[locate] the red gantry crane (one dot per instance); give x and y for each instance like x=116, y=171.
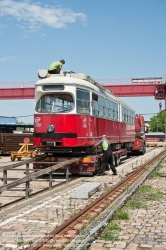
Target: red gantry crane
x=136, y=87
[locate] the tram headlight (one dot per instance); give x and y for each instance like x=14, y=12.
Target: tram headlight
x=50, y=128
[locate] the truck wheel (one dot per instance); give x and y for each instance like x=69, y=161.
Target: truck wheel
x=98, y=166
x=117, y=160
x=113, y=160
x=143, y=150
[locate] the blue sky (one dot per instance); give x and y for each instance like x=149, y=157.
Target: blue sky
x=105, y=38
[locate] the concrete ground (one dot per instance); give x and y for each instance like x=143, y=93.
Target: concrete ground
x=146, y=228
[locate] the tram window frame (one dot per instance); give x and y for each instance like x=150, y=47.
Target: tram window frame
x=126, y=119
x=82, y=105
x=127, y=116
x=95, y=105
x=124, y=114
x=106, y=109
x=115, y=111
x=52, y=87
x=47, y=103
x=101, y=106
x=111, y=111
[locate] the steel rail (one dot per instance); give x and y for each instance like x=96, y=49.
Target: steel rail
x=60, y=231
x=32, y=176
x=17, y=164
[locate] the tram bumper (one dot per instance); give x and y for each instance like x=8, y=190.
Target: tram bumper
x=49, y=140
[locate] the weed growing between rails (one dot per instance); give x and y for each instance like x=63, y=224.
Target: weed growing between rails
x=121, y=214
x=137, y=201
x=110, y=232
x=157, y=172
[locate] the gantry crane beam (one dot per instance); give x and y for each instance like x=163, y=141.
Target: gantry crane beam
x=136, y=88
x=17, y=93
x=128, y=90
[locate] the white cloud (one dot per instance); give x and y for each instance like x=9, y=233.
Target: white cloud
x=35, y=15
x=4, y=59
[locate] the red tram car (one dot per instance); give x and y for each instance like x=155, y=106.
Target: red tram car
x=72, y=112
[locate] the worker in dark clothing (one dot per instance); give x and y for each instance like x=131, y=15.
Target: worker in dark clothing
x=56, y=67
x=107, y=155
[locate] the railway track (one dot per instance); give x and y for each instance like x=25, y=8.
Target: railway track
x=32, y=218
x=75, y=232
x=15, y=175
x=12, y=183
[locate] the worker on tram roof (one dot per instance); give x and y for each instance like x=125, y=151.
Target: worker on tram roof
x=56, y=67
x=107, y=155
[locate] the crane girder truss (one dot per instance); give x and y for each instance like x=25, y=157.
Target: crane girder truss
x=135, y=88
x=158, y=90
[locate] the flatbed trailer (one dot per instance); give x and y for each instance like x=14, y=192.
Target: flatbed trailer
x=90, y=164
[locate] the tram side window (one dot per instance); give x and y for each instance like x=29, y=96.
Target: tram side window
x=95, y=104
x=124, y=114
x=130, y=117
x=115, y=111
x=101, y=106
x=127, y=116
x=111, y=111
x=106, y=109
x=83, y=101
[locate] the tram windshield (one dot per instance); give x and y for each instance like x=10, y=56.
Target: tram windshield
x=55, y=103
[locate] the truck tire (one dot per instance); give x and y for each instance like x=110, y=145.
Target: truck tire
x=113, y=159
x=142, y=152
x=98, y=166
x=117, y=160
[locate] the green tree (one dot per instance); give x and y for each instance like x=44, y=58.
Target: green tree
x=157, y=122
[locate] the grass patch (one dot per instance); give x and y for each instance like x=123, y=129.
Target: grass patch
x=155, y=173
x=113, y=226
x=144, y=189
x=155, y=195
x=147, y=192
x=110, y=232
x=120, y=214
x=159, y=166
x=135, y=202
x=109, y=236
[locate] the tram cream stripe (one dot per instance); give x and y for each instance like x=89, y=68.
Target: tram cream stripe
x=28, y=211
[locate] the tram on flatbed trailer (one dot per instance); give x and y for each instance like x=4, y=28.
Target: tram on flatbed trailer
x=72, y=112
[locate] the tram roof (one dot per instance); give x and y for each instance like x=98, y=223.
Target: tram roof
x=82, y=79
